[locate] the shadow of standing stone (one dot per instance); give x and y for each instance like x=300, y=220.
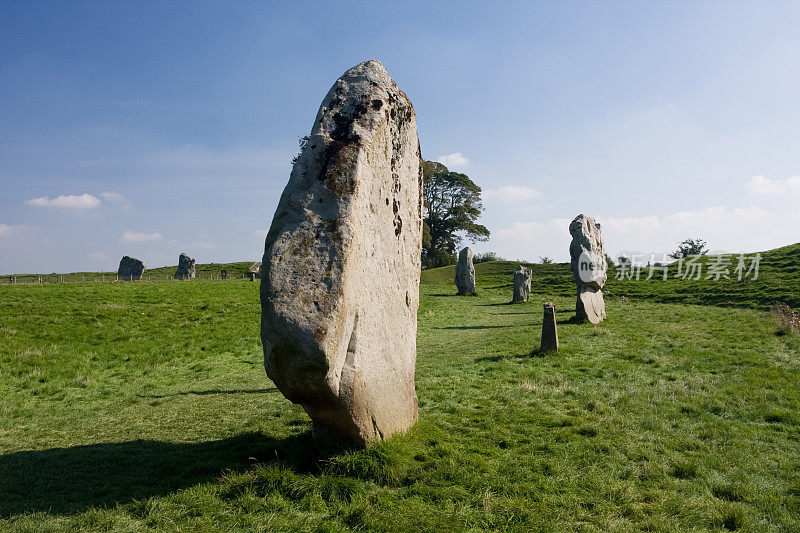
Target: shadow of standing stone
x=549, y=331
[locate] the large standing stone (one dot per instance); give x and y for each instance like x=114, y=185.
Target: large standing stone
x=465, y=272
x=130, y=269
x=549, y=331
x=522, y=284
x=588, y=255
x=186, y=268
x=341, y=266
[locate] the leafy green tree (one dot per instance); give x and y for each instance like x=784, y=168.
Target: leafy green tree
x=452, y=207
x=690, y=247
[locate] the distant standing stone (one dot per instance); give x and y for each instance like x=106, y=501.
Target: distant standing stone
x=223, y=274
x=186, y=268
x=465, y=273
x=256, y=269
x=588, y=255
x=252, y=276
x=341, y=267
x=549, y=331
x=130, y=269
x=522, y=284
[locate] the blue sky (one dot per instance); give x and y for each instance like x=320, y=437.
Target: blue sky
x=150, y=129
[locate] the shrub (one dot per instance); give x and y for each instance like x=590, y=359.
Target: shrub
x=487, y=256
x=788, y=319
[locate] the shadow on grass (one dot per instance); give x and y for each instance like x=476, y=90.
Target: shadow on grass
x=478, y=327
x=211, y=392
x=496, y=358
x=69, y=480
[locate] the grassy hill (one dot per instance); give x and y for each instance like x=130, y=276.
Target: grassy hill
x=778, y=280
x=237, y=270
x=145, y=407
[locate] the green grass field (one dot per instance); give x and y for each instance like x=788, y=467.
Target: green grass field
x=145, y=406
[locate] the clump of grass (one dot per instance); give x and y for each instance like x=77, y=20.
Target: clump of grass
x=383, y=463
x=788, y=319
x=684, y=470
x=729, y=492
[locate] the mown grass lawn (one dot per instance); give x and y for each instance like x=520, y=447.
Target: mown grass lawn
x=145, y=406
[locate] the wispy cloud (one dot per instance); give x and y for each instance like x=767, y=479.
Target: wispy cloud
x=12, y=231
x=83, y=201
x=203, y=244
x=97, y=256
x=114, y=197
x=261, y=233
x=746, y=229
x=511, y=193
x=133, y=236
x=763, y=186
x=454, y=161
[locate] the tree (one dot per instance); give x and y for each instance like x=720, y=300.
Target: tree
x=452, y=205
x=545, y=260
x=690, y=247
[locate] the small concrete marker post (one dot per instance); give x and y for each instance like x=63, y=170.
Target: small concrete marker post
x=549, y=331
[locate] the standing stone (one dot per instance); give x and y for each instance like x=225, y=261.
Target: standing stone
x=223, y=274
x=465, y=273
x=130, y=269
x=12, y=280
x=252, y=276
x=522, y=284
x=255, y=268
x=588, y=255
x=186, y=268
x=549, y=330
x=341, y=266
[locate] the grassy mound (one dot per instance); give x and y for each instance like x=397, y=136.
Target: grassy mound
x=778, y=281
x=145, y=406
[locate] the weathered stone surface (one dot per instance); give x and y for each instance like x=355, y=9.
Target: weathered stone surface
x=252, y=276
x=549, y=331
x=589, y=266
x=186, y=269
x=465, y=272
x=522, y=284
x=341, y=266
x=130, y=269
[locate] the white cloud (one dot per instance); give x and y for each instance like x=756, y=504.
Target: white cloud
x=748, y=229
x=12, y=231
x=203, y=244
x=262, y=233
x=132, y=236
x=763, y=186
x=84, y=201
x=97, y=256
x=511, y=193
x=453, y=161
x=113, y=197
